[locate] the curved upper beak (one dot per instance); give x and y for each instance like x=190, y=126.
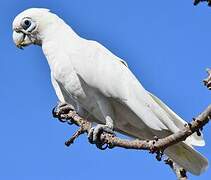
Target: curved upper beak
x=18, y=38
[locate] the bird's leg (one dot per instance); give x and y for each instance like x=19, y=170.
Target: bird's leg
x=207, y=81
x=95, y=132
x=62, y=109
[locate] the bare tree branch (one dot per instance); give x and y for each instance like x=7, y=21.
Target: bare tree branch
x=153, y=146
x=196, y=2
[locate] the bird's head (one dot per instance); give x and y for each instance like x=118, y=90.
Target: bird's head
x=28, y=25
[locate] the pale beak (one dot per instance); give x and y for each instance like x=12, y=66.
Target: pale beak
x=18, y=39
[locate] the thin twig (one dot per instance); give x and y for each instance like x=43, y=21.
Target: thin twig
x=73, y=118
x=196, y=2
x=180, y=172
x=74, y=136
x=207, y=81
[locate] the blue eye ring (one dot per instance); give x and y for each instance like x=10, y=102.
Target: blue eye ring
x=26, y=24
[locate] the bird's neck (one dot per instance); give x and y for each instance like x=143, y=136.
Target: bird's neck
x=59, y=40
x=57, y=30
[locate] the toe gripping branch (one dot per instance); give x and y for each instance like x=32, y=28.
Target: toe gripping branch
x=94, y=136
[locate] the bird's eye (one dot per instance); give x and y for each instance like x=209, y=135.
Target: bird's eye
x=26, y=24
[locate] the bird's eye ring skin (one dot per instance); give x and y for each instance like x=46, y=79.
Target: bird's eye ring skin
x=26, y=23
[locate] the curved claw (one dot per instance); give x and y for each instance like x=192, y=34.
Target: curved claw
x=61, y=110
x=54, y=112
x=62, y=120
x=101, y=146
x=90, y=135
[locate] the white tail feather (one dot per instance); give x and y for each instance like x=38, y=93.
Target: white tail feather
x=188, y=158
x=194, y=139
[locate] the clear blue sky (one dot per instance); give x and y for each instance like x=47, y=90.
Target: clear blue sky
x=166, y=44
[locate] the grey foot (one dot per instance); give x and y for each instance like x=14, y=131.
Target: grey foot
x=61, y=110
x=95, y=132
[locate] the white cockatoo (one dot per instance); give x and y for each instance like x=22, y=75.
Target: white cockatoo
x=87, y=75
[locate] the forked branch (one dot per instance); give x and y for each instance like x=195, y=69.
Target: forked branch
x=153, y=146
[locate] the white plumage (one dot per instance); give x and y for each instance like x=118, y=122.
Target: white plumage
x=84, y=73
